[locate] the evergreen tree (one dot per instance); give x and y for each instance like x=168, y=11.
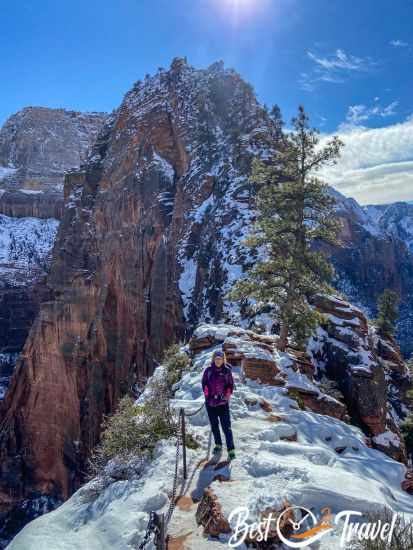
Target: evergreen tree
x=295, y=213
x=388, y=312
x=277, y=124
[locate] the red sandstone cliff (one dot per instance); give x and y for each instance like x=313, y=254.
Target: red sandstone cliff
x=151, y=238
x=37, y=146
x=122, y=247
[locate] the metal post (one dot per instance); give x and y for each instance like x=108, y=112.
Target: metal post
x=183, y=435
x=161, y=535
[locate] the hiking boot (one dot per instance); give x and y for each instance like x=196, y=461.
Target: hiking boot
x=231, y=454
x=217, y=450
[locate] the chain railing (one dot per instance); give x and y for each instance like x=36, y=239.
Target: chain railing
x=158, y=523
x=150, y=530
x=175, y=482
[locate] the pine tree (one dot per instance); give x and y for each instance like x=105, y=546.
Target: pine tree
x=277, y=123
x=388, y=312
x=295, y=213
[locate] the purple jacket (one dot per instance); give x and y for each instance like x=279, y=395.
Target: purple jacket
x=217, y=384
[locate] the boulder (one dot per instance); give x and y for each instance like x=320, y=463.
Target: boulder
x=302, y=362
x=407, y=483
x=285, y=526
x=209, y=515
x=320, y=403
x=260, y=369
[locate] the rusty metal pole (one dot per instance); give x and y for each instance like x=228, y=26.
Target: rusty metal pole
x=160, y=539
x=183, y=435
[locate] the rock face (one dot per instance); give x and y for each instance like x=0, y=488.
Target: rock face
x=209, y=515
x=37, y=146
x=368, y=369
x=376, y=254
x=177, y=148
x=396, y=219
x=25, y=246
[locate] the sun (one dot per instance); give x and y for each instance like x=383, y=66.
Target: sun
x=239, y=6
x=239, y=12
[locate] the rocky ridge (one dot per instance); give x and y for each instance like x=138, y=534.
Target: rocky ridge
x=286, y=455
x=375, y=255
x=396, y=219
x=150, y=240
x=37, y=146
x=135, y=207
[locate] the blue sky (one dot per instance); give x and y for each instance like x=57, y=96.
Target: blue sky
x=349, y=63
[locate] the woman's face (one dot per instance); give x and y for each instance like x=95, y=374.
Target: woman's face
x=219, y=361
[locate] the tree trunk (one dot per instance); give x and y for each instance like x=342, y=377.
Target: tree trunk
x=283, y=340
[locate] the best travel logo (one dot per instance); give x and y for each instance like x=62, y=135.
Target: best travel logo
x=306, y=528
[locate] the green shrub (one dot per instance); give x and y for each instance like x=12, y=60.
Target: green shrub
x=402, y=538
x=133, y=431
x=191, y=442
x=388, y=305
x=295, y=394
x=175, y=362
x=406, y=428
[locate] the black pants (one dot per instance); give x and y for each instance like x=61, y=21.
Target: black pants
x=221, y=414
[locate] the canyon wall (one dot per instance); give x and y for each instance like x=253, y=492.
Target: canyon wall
x=150, y=239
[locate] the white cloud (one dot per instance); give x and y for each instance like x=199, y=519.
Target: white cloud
x=376, y=165
x=398, y=43
x=361, y=113
x=333, y=68
x=308, y=81
x=340, y=60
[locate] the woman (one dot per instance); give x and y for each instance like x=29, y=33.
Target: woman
x=218, y=385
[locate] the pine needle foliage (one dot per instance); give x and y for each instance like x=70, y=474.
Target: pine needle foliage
x=134, y=430
x=388, y=312
x=295, y=213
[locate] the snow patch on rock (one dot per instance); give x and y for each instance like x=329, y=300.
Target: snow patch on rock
x=25, y=246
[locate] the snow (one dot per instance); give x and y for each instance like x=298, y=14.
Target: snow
x=395, y=220
x=200, y=211
x=25, y=245
x=31, y=191
x=386, y=439
x=7, y=362
x=108, y=513
x=187, y=282
x=6, y=171
x=165, y=167
x=367, y=218
x=3, y=387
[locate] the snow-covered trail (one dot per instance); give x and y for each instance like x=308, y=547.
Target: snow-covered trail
x=308, y=459
x=271, y=466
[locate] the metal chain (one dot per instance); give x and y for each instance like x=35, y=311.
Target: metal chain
x=195, y=412
x=209, y=444
x=151, y=529
x=175, y=482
